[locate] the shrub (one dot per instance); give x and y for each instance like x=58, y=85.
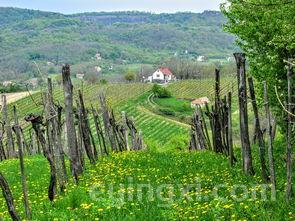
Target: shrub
x=178, y=143
x=161, y=92
x=167, y=111
x=103, y=81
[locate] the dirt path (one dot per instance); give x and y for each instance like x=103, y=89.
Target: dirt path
x=12, y=97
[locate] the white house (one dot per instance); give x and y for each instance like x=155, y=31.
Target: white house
x=97, y=56
x=80, y=76
x=202, y=58
x=7, y=83
x=162, y=75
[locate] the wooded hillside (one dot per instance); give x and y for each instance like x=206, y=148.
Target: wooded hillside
x=120, y=37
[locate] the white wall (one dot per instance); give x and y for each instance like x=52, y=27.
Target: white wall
x=158, y=75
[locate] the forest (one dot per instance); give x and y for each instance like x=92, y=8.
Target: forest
x=121, y=38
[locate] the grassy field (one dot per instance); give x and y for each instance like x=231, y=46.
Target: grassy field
x=151, y=186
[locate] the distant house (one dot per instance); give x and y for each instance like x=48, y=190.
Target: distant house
x=162, y=75
x=230, y=59
x=97, y=69
x=97, y=56
x=200, y=102
x=32, y=82
x=7, y=83
x=80, y=76
x=202, y=58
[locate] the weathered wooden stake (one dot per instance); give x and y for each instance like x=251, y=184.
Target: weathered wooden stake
x=85, y=130
x=76, y=166
x=2, y=151
x=230, y=130
x=244, y=130
x=36, y=121
x=56, y=138
x=8, y=198
x=22, y=165
x=270, y=140
x=216, y=115
x=258, y=132
x=125, y=131
x=290, y=107
x=8, y=130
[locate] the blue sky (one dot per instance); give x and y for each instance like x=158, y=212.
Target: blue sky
x=74, y=6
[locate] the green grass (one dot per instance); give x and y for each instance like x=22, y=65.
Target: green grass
x=176, y=105
x=125, y=172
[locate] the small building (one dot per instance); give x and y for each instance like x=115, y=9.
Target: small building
x=162, y=75
x=80, y=76
x=7, y=83
x=97, y=69
x=202, y=58
x=230, y=59
x=97, y=56
x=33, y=82
x=200, y=102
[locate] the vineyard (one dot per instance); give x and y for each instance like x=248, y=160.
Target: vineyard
x=165, y=161
x=132, y=98
x=192, y=89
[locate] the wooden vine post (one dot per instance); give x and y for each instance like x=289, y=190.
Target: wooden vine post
x=85, y=130
x=2, y=151
x=290, y=109
x=259, y=134
x=37, y=121
x=99, y=132
x=270, y=140
x=7, y=127
x=22, y=165
x=8, y=198
x=53, y=126
x=230, y=130
x=125, y=131
x=216, y=113
x=76, y=167
x=244, y=130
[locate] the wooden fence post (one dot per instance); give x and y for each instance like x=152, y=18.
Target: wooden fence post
x=244, y=130
x=125, y=130
x=85, y=130
x=230, y=131
x=2, y=151
x=56, y=138
x=76, y=166
x=290, y=108
x=6, y=121
x=216, y=113
x=270, y=140
x=258, y=131
x=22, y=165
x=8, y=198
x=37, y=121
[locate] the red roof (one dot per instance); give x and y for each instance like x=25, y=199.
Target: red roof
x=166, y=71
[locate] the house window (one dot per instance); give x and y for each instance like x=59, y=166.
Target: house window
x=158, y=75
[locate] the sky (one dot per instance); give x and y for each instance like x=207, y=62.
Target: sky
x=76, y=6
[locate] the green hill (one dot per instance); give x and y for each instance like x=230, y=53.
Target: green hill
x=122, y=38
